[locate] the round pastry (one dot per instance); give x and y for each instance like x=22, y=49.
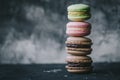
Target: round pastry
x=78, y=64
x=80, y=46
x=78, y=29
x=78, y=12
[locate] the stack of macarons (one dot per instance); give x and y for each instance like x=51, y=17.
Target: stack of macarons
x=78, y=46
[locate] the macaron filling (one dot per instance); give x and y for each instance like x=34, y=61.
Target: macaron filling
x=78, y=46
x=81, y=17
x=78, y=14
x=75, y=13
x=79, y=49
x=71, y=64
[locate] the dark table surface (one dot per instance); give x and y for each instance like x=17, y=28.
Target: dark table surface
x=102, y=71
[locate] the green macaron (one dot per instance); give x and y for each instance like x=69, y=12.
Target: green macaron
x=78, y=12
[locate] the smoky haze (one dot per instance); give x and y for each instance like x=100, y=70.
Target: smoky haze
x=33, y=31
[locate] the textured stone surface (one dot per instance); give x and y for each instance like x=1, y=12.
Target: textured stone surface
x=102, y=71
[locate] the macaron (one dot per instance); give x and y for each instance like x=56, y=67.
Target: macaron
x=78, y=12
x=80, y=46
x=78, y=29
x=78, y=64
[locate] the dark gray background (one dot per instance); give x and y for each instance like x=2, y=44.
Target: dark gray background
x=33, y=31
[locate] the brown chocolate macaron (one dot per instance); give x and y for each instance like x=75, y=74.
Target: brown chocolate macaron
x=78, y=64
x=80, y=46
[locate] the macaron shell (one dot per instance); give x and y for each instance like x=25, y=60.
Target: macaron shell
x=78, y=33
x=78, y=7
x=78, y=24
x=78, y=53
x=79, y=69
x=77, y=59
x=76, y=19
x=79, y=15
x=79, y=40
x=79, y=49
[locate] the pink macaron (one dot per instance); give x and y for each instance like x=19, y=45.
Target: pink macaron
x=78, y=29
